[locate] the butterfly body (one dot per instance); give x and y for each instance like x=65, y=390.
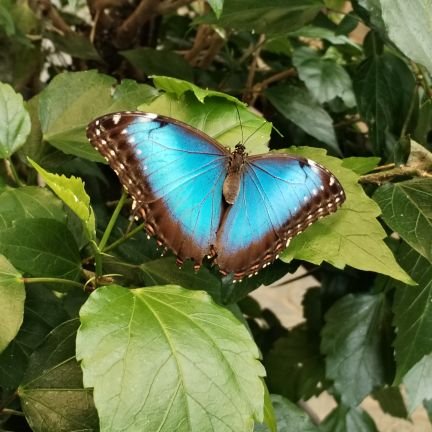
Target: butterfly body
x=201, y=200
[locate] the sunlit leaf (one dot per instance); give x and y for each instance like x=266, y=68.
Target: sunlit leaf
x=12, y=294
x=175, y=359
x=71, y=191
x=14, y=121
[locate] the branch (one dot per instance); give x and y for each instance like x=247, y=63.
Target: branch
x=248, y=95
x=50, y=11
x=200, y=43
x=386, y=176
x=145, y=11
x=258, y=88
x=172, y=5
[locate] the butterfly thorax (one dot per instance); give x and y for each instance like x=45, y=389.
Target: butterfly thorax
x=231, y=186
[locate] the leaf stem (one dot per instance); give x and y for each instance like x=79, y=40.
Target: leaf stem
x=112, y=222
x=11, y=168
x=8, y=411
x=409, y=113
x=125, y=237
x=51, y=280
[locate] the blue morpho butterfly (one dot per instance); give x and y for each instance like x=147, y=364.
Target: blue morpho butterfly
x=202, y=200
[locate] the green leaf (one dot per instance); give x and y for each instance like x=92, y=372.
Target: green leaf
x=424, y=123
x=226, y=122
x=129, y=94
x=42, y=312
x=295, y=366
x=407, y=210
x=418, y=383
x=352, y=236
x=374, y=16
x=72, y=100
x=408, y=25
x=391, y=401
x=157, y=62
x=314, y=32
x=75, y=44
x=428, y=407
x=71, y=191
x=165, y=271
x=182, y=362
x=348, y=24
x=41, y=247
x=29, y=202
x=361, y=165
x=68, y=104
x=179, y=87
x=380, y=106
x=34, y=147
x=14, y=121
x=344, y=419
x=270, y=17
x=217, y=6
x=290, y=418
x=412, y=312
x=6, y=21
x=269, y=413
x=12, y=294
x=324, y=78
x=298, y=106
x=353, y=350
x=52, y=393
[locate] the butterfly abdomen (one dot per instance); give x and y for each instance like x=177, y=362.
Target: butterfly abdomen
x=231, y=186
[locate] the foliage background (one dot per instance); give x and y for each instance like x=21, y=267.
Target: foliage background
x=158, y=348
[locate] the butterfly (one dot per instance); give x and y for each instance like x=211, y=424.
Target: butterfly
x=201, y=200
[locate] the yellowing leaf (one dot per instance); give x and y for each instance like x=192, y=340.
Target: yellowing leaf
x=71, y=191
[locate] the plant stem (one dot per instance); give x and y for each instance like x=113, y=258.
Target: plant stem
x=51, y=280
x=11, y=168
x=409, y=113
x=125, y=237
x=112, y=222
x=8, y=411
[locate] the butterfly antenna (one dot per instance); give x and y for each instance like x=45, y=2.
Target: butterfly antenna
x=255, y=131
x=241, y=126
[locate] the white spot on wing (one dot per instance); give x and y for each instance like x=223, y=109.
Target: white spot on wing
x=332, y=181
x=116, y=118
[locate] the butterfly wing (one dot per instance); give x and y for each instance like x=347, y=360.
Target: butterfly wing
x=173, y=172
x=279, y=197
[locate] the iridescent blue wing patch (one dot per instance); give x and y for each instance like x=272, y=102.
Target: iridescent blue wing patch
x=173, y=173
x=279, y=197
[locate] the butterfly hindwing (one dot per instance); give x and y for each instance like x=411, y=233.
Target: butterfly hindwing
x=279, y=197
x=174, y=174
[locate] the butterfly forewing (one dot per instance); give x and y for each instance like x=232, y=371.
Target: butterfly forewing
x=174, y=176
